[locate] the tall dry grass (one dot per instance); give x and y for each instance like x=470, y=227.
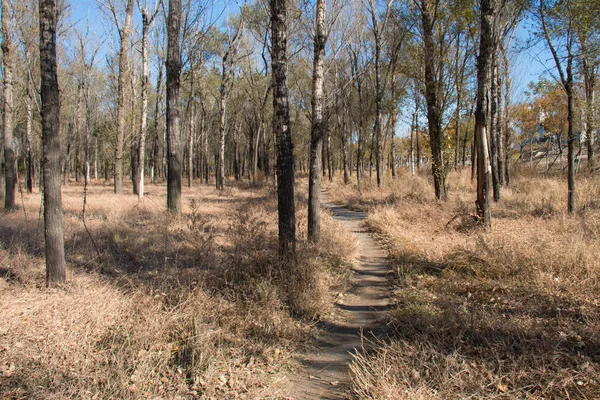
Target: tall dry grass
x=510, y=313
x=192, y=308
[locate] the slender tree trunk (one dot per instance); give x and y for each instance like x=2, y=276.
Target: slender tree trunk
x=484, y=61
x=316, y=142
x=222, y=111
x=28, y=138
x=378, y=104
x=412, y=143
x=95, y=158
x=570, y=135
x=88, y=128
x=156, y=163
x=53, y=213
x=393, y=124
x=144, y=115
x=589, y=76
x=192, y=111
x=10, y=173
x=492, y=129
x=256, y=149
x=434, y=116
x=507, y=133
x=419, y=158
x=281, y=130
x=330, y=167
x=134, y=150
x=173, y=84
x=123, y=74
x=500, y=127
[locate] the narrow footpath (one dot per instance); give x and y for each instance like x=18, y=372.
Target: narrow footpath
x=326, y=373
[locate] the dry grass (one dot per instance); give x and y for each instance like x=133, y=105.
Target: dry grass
x=510, y=313
x=195, y=308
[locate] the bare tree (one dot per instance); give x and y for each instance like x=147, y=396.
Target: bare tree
x=556, y=21
x=227, y=67
x=173, y=129
x=53, y=213
x=147, y=20
x=10, y=174
x=124, y=30
x=377, y=28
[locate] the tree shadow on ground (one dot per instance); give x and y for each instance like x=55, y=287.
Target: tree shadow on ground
x=539, y=343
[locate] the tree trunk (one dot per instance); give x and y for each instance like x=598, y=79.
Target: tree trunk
x=481, y=112
x=378, y=104
x=316, y=142
x=492, y=128
x=192, y=111
x=222, y=110
x=459, y=80
x=10, y=173
x=570, y=135
x=330, y=167
x=500, y=128
x=144, y=116
x=589, y=76
x=53, y=213
x=281, y=130
x=123, y=74
x=28, y=138
x=156, y=158
x=434, y=116
x=173, y=83
x=412, y=143
x=507, y=136
x=393, y=124
x=567, y=83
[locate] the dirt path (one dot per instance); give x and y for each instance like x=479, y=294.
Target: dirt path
x=326, y=372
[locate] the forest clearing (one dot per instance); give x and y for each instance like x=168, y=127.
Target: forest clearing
x=199, y=308
x=289, y=199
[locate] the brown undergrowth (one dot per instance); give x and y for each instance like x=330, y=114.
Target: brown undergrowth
x=197, y=307
x=510, y=313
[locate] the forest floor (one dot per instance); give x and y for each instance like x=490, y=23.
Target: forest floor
x=359, y=314
x=507, y=313
x=199, y=307
x=155, y=307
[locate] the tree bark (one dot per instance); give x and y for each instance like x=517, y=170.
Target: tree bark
x=10, y=173
x=192, y=111
x=589, y=77
x=53, y=213
x=124, y=33
x=499, y=127
x=28, y=140
x=567, y=83
x=492, y=128
x=146, y=22
x=434, y=116
x=316, y=142
x=412, y=143
x=222, y=110
x=156, y=158
x=173, y=84
x=281, y=130
x=484, y=61
x=378, y=102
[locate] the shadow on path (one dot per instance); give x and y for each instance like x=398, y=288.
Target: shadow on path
x=358, y=316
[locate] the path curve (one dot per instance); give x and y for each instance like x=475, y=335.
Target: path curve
x=326, y=372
